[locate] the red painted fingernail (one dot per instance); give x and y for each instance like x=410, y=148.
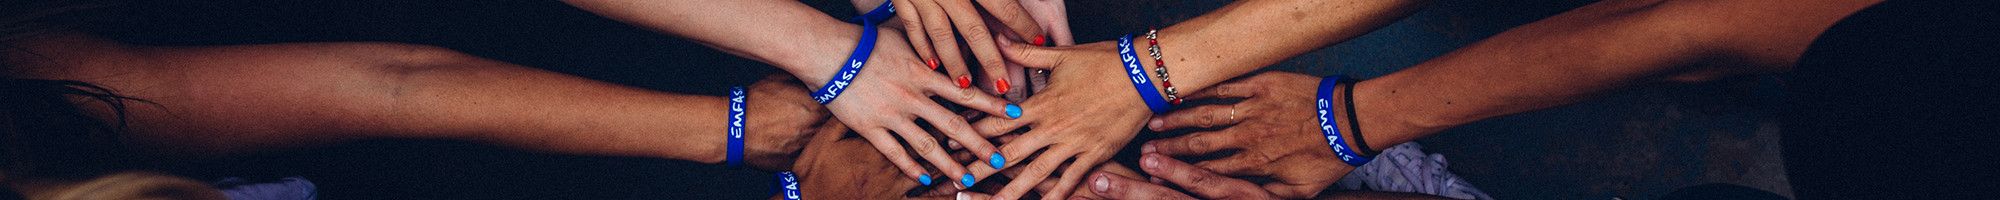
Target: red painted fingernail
x=933, y=62
x=964, y=81
x=1039, y=40
x=1000, y=86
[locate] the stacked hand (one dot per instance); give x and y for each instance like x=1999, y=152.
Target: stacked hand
x=1088, y=112
x=935, y=28
x=892, y=91
x=1274, y=132
x=784, y=117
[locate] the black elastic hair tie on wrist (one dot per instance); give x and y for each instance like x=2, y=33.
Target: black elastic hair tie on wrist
x=1353, y=122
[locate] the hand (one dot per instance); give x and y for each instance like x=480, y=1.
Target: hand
x=933, y=28
x=1088, y=112
x=1053, y=16
x=781, y=118
x=1274, y=131
x=835, y=167
x=1201, y=182
x=891, y=92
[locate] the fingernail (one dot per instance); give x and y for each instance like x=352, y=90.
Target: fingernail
x=996, y=161
x=1148, y=148
x=966, y=180
x=1013, y=111
x=951, y=143
x=1150, y=162
x=964, y=81
x=1000, y=85
x=962, y=196
x=1040, y=40
x=933, y=62
x=1155, y=124
x=926, y=179
x=1101, y=185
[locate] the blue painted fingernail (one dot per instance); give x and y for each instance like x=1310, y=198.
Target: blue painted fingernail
x=996, y=161
x=967, y=181
x=926, y=179
x=1013, y=111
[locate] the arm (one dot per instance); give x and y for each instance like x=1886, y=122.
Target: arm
x=1588, y=51
x=785, y=34
x=1561, y=60
x=1090, y=109
x=886, y=97
x=1248, y=35
x=209, y=101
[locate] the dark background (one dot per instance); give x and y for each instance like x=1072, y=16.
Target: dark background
x=1638, y=143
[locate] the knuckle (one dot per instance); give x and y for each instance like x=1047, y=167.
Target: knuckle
x=976, y=29
x=939, y=32
x=1040, y=167
x=923, y=144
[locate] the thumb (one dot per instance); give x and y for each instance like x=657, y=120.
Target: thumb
x=1032, y=56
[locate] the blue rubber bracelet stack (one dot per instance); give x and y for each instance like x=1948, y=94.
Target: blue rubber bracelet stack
x=1328, y=128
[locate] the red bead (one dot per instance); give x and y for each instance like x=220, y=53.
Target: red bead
x=1167, y=84
x=1175, y=101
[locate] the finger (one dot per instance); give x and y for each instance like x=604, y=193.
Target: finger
x=1025, y=147
x=1192, y=144
x=1016, y=18
x=945, y=42
x=1199, y=181
x=1205, y=116
x=1117, y=187
x=913, y=28
x=921, y=141
x=1242, y=164
x=996, y=126
x=972, y=98
x=1034, y=172
x=1232, y=89
x=1070, y=177
x=955, y=127
x=972, y=29
x=894, y=152
x=1031, y=56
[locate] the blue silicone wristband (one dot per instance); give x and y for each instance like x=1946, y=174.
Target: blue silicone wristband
x=1328, y=128
x=855, y=61
x=789, y=182
x=737, y=99
x=1140, y=82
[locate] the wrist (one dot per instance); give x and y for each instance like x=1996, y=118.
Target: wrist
x=818, y=54
x=1385, y=129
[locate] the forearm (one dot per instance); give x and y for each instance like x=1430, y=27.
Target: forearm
x=499, y=103
x=1587, y=52
x=1247, y=35
x=786, y=34
x=219, y=101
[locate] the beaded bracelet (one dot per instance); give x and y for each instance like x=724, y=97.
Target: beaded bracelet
x=1332, y=131
x=1140, y=81
x=737, y=101
x=1160, y=66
